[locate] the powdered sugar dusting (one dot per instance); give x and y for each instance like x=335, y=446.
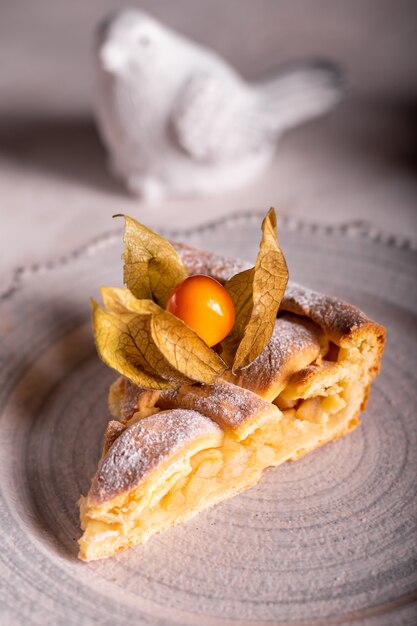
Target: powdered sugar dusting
x=294, y=344
x=336, y=317
x=143, y=446
x=203, y=262
x=129, y=398
x=113, y=431
x=227, y=404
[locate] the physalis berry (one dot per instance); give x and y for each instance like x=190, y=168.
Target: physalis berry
x=205, y=306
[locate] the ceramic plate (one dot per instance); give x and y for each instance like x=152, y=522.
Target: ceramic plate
x=330, y=539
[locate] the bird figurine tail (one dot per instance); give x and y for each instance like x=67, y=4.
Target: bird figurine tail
x=301, y=92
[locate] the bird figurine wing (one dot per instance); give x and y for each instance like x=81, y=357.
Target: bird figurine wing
x=220, y=117
x=216, y=118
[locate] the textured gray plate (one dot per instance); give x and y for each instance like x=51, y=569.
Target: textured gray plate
x=330, y=539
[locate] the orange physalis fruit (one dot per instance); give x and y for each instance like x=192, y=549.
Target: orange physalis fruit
x=205, y=306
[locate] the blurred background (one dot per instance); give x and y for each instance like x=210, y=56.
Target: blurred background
x=357, y=163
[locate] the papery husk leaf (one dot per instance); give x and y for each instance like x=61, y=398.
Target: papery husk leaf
x=163, y=344
x=184, y=349
x=240, y=288
x=121, y=300
x=152, y=267
x=257, y=294
x=124, y=342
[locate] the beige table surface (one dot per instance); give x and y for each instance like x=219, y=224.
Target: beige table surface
x=356, y=164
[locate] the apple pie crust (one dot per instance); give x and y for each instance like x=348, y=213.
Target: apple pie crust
x=170, y=454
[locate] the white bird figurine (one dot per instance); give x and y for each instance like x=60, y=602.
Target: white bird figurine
x=178, y=119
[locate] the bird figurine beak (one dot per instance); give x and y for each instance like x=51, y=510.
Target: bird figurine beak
x=111, y=58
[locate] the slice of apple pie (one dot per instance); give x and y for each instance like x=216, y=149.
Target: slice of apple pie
x=176, y=449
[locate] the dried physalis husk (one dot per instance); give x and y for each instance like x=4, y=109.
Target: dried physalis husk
x=256, y=294
x=152, y=267
x=150, y=346
x=122, y=343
